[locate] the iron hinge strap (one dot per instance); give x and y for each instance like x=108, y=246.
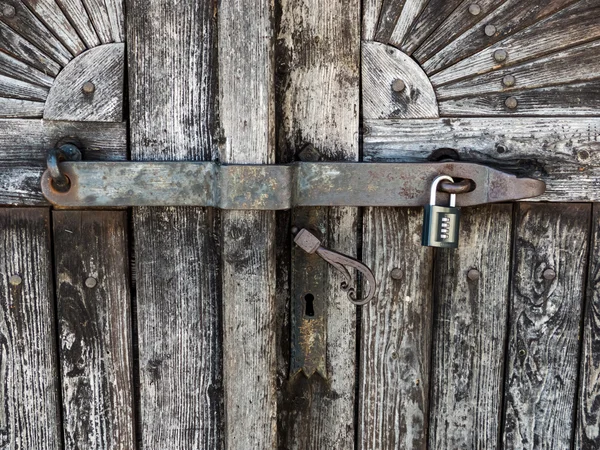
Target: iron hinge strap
x=276, y=187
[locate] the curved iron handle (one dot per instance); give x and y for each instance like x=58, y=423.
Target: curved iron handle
x=311, y=244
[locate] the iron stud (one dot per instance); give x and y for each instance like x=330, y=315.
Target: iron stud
x=509, y=81
x=511, y=103
x=474, y=9
x=15, y=280
x=91, y=282
x=490, y=30
x=88, y=87
x=398, y=85
x=500, y=55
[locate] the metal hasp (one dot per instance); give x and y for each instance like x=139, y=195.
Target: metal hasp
x=276, y=187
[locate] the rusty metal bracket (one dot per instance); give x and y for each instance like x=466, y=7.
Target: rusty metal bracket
x=277, y=187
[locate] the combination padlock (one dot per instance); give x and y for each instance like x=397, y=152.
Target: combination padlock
x=441, y=223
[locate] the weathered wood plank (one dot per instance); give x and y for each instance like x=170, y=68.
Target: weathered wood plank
x=246, y=111
x=23, y=22
x=14, y=68
x=19, y=48
x=78, y=16
x=388, y=16
x=14, y=107
x=94, y=328
x=98, y=13
x=578, y=99
x=25, y=143
x=471, y=292
x=14, y=88
x=104, y=67
x=587, y=435
x=564, y=152
x=177, y=252
x=551, y=244
x=29, y=417
x=459, y=21
x=319, y=97
x=569, y=27
x=578, y=64
x=434, y=14
x=509, y=18
x=382, y=67
x=395, y=351
x=117, y=19
x=370, y=19
x=410, y=11
x=55, y=20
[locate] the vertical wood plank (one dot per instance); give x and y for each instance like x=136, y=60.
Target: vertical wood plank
x=544, y=324
x=29, y=413
x=94, y=328
x=246, y=110
x=318, y=69
x=471, y=292
x=587, y=436
x=171, y=85
x=396, y=333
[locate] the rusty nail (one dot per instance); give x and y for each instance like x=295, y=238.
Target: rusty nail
x=500, y=55
x=511, y=102
x=398, y=85
x=473, y=274
x=15, y=280
x=396, y=274
x=474, y=9
x=549, y=274
x=490, y=30
x=509, y=81
x=91, y=282
x=88, y=87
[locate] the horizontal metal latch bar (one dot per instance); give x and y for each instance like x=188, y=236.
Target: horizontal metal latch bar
x=276, y=187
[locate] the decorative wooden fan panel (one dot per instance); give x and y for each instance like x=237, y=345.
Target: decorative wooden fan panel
x=50, y=48
x=485, y=57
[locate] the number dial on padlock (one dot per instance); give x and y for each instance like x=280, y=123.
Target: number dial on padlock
x=441, y=223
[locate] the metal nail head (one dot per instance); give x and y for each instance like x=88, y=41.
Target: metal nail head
x=549, y=274
x=15, y=280
x=474, y=9
x=473, y=274
x=91, y=282
x=8, y=11
x=500, y=55
x=88, y=87
x=511, y=103
x=396, y=274
x=490, y=30
x=398, y=85
x=509, y=81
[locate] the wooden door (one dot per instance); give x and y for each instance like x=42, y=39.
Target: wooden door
x=169, y=328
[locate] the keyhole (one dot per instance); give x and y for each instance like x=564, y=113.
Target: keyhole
x=309, y=309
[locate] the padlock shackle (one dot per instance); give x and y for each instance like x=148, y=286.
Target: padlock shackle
x=434, y=186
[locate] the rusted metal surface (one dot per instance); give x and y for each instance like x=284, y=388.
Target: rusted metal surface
x=277, y=187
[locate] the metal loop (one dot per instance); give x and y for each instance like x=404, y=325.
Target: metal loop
x=461, y=187
x=66, y=152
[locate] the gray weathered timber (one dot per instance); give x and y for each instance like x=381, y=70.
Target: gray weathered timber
x=28, y=26
x=15, y=45
x=574, y=65
x=15, y=88
x=587, y=435
x=78, y=16
x=395, y=350
x=14, y=107
x=94, y=328
x=579, y=99
x=470, y=331
x=98, y=14
x=24, y=145
x=12, y=67
x=564, y=152
x=29, y=416
x=370, y=18
x=104, y=66
x=246, y=112
x=544, y=325
x=569, y=27
x=389, y=15
x=56, y=21
x=459, y=21
x=116, y=19
x=410, y=11
x=432, y=16
x=171, y=84
x=320, y=99
x=510, y=17
x=383, y=65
